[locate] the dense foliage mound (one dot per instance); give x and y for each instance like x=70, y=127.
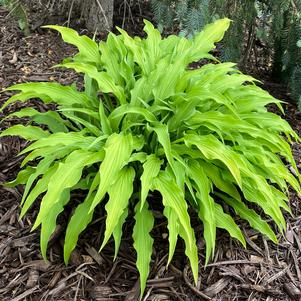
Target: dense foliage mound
x=146, y=122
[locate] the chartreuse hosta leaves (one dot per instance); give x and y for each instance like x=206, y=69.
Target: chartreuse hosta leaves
x=146, y=122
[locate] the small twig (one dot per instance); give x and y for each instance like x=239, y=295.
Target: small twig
x=266, y=248
x=160, y=280
x=231, y=262
x=111, y=272
x=77, y=288
x=176, y=294
x=296, y=264
x=148, y=294
x=252, y=244
x=195, y=290
x=124, y=13
x=104, y=14
x=260, y=289
x=276, y=276
x=70, y=12
x=25, y=294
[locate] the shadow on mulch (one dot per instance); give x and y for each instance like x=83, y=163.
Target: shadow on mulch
x=263, y=271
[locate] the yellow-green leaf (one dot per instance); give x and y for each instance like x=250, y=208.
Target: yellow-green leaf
x=143, y=242
x=118, y=150
x=151, y=168
x=119, y=196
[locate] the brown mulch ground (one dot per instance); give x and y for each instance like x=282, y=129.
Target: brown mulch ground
x=263, y=271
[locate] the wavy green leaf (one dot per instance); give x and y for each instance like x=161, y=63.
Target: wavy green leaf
x=78, y=223
x=118, y=150
x=50, y=118
x=206, y=206
x=88, y=49
x=67, y=175
x=251, y=216
x=49, y=222
x=104, y=80
x=173, y=231
x=117, y=233
x=213, y=149
x=151, y=169
x=173, y=196
x=225, y=221
x=204, y=41
x=119, y=197
x=29, y=132
x=48, y=92
x=40, y=187
x=143, y=242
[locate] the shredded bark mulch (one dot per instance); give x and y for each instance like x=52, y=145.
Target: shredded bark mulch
x=263, y=271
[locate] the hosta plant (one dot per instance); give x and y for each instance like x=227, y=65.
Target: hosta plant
x=144, y=122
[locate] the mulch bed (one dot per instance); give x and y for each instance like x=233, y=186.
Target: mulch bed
x=263, y=271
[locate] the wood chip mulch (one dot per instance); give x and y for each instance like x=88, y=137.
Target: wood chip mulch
x=263, y=271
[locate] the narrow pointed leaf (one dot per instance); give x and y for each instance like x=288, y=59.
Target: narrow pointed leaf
x=119, y=196
x=49, y=222
x=173, y=231
x=117, y=233
x=252, y=217
x=27, y=132
x=225, y=221
x=118, y=150
x=206, y=206
x=39, y=188
x=143, y=242
x=88, y=49
x=213, y=149
x=173, y=196
x=48, y=92
x=151, y=169
x=67, y=175
x=191, y=251
x=78, y=223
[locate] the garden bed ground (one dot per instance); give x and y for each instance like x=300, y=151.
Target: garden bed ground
x=263, y=271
